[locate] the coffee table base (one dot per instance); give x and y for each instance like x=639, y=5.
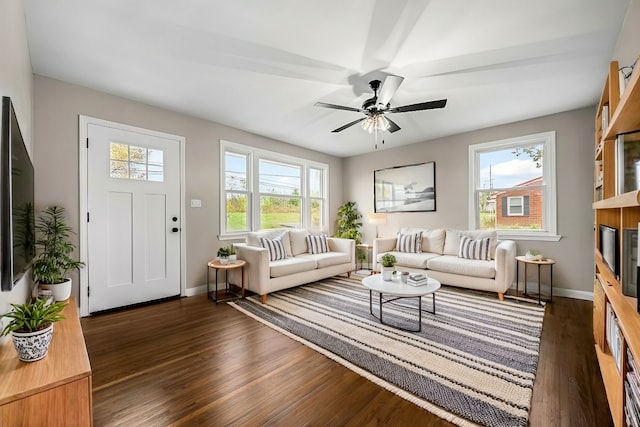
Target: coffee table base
x=382, y=301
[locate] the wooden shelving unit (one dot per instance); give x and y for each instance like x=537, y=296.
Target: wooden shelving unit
x=620, y=211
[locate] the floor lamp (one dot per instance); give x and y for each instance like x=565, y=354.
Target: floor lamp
x=377, y=218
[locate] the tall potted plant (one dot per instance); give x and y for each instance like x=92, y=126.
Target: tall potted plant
x=53, y=259
x=349, y=226
x=31, y=327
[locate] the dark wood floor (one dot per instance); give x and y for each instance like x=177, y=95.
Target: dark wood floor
x=191, y=362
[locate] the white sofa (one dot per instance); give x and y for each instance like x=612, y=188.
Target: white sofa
x=263, y=276
x=439, y=258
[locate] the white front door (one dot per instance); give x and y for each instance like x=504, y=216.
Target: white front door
x=133, y=214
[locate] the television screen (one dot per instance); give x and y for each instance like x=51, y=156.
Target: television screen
x=609, y=247
x=16, y=200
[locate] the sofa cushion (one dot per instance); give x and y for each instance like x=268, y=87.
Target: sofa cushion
x=328, y=258
x=474, y=249
x=275, y=248
x=411, y=243
x=317, y=244
x=432, y=240
x=298, y=238
x=452, y=240
x=465, y=267
x=252, y=238
x=407, y=259
x=292, y=265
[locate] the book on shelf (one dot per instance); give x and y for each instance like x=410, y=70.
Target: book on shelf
x=605, y=119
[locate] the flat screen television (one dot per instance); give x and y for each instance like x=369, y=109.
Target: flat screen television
x=17, y=218
x=609, y=248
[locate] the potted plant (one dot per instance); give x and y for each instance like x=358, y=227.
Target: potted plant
x=388, y=264
x=53, y=260
x=349, y=225
x=533, y=255
x=223, y=255
x=31, y=327
x=232, y=254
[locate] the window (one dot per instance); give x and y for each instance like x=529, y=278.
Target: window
x=263, y=189
x=515, y=206
x=512, y=187
x=137, y=163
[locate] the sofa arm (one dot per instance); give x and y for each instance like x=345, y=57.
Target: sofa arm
x=347, y=246
x=505, y=265
x=380, y=246
x=256, y=270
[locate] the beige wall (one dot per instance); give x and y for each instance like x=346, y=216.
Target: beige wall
x=628, y=45
x=16, y=81
x=574, y=158
x=57, y=107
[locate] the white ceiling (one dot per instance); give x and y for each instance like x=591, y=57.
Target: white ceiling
x=260, y=65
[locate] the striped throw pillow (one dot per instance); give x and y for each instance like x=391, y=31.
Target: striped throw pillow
x=317, y=244
x=409, y=243
x=474, y=249
x=275, y=248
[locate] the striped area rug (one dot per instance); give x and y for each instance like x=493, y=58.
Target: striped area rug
x=474, y=362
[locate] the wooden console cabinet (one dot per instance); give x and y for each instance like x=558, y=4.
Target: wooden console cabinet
x=620, y=211
x=54, y=391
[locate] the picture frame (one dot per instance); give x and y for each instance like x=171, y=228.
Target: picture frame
x=629, y=261
x=409, y=188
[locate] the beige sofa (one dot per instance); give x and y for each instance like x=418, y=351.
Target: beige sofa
x=439, y=258
x=298, y=267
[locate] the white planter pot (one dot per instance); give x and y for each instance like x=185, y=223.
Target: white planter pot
x=32, y=346
x=224, y=260
x=61, y=291
x=233, y=258
x=387, y=273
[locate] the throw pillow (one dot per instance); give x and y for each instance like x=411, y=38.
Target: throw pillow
x=275, y=248
x=474, y=249
x=409, y=242
x=317, y=244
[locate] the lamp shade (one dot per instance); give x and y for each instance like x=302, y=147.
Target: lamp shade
x=377, y=218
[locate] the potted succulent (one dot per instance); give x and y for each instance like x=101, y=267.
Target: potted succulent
x=53, y=250
x=388, y=264
x=232, y=254
x=31, y=327
x=223, y=255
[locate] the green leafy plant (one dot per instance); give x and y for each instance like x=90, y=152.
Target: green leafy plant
x=53, y=261
x=534, y=252
x=349, y=226
x=388, y=260
x=232, y=250
x=224, y=252
x=33, y=316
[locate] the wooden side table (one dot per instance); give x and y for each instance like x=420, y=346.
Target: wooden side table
x=215, y=264
x=539, y=263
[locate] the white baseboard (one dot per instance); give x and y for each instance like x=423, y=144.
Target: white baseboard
x=202, y=289
x=559, y=292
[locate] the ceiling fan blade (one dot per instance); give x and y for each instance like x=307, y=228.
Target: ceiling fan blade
x=341, y=128
x=336, y=107
x=394, y=126
x=389, y=88
x=430, y=105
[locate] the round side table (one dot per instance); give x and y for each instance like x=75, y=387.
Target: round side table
x=539, y=263
x=215, y=264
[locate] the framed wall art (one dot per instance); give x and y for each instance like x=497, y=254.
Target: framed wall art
x=410, y=188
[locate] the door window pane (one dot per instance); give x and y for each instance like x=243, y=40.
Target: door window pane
x=137, y=163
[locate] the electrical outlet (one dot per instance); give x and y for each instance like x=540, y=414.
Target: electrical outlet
x=196, y=203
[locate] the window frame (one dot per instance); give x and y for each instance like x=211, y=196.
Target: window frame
x=549, y=213
x=254, y=155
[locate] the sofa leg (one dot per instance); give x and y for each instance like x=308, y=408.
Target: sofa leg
x=263, y=298
x=348, y=274
x=501, y=296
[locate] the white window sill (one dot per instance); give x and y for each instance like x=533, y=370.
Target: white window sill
x=540, y=237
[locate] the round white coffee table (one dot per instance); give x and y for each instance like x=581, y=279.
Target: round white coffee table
x=396, y=290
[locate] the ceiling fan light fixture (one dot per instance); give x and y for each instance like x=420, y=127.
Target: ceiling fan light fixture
x=376, y=122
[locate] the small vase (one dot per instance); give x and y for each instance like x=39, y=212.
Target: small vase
x=387, y=273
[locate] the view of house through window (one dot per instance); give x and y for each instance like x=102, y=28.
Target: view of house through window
x=513, y=184
x=284, y=191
